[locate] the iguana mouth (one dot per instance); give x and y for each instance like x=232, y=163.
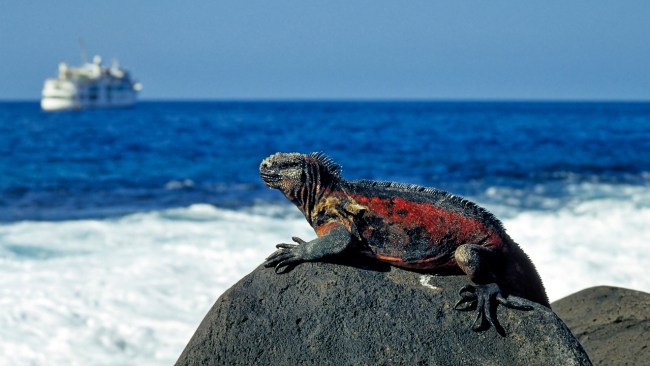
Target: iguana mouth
x=270, y=178
x=269, y=175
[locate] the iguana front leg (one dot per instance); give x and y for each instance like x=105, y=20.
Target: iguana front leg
x=334, y=242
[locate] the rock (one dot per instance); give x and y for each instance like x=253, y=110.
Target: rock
x=333, y=314
x=612, y=323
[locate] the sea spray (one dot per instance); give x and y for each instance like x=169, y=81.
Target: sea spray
x=127, y=290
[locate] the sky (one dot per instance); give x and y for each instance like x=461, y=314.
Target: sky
x=352, y=49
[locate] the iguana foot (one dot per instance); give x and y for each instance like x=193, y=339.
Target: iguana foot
x=485, y=299
x=286, y=255
x=335, y=242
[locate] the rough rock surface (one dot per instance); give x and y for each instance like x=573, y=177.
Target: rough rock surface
x=612, y=323
x=333, y=314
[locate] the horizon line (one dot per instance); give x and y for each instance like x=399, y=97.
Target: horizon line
x=367, y=100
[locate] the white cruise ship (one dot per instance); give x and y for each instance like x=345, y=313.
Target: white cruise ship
x=89, y=86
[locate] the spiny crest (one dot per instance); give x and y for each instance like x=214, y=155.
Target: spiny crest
x=399, y=186
x=332, y=167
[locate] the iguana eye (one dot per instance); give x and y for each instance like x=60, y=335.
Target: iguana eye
x=284, y=165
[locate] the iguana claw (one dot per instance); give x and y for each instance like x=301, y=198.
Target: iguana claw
x=485, y=299
x=286, y=255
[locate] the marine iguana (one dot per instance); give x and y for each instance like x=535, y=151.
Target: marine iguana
x=408, y=226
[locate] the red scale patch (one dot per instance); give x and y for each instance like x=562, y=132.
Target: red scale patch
x=439, y=223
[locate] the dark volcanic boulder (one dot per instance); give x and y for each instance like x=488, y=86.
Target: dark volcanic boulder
x=612, y=323
x=332, y=314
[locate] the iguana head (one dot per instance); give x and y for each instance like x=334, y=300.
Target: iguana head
x=300, y=177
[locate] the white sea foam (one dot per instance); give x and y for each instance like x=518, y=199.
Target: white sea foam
x=600, y=241
x=132, y=290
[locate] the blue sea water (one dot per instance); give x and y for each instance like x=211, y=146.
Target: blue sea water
x=119, y=228
x=58, y=166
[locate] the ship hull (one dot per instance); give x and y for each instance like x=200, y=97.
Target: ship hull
x=58, y=104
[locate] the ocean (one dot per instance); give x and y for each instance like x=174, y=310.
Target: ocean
x=120, y=228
